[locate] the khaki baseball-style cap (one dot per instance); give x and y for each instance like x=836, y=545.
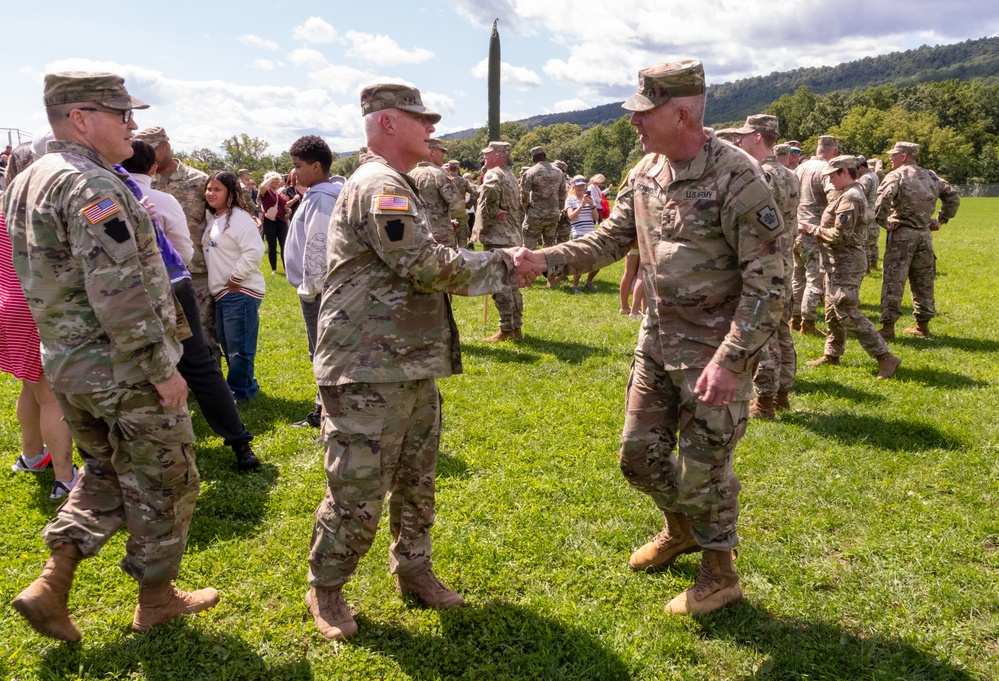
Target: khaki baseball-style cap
x=454, y=163
x=782, y=149
x=437, y=144
x=795, y=145
x=242, y=171
x=152, y=136
x=106, y=89
x=561, y=165
x=395, y=96
x=760, y=123
x=908, y=148
x=840, y=162
x=502, y=147
x=536, y=151
x=828, y=141
x=660, y=83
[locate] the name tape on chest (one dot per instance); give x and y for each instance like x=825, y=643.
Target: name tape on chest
x=392, y=202
x=101, y=210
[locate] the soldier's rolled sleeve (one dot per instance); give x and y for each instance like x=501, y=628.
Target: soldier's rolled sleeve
x=950, y=201
x=607, y=244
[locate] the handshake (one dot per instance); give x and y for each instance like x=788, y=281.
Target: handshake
x=530, y=265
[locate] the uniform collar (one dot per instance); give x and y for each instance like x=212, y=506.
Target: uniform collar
x=66, y=146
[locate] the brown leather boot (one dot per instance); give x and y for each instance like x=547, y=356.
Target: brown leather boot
x=518, y=334
x=888, y=331
x=673, y=541
x=45, y=602
x=500, y=336
x=824, y=359
x=717, y=585
x=887, y=365
x=808, y=328
x=429, y=589
x=796, y=322
x=330, y=613
x=762, y=407
x=165, y=602
x=781, y=402
x=920, y=330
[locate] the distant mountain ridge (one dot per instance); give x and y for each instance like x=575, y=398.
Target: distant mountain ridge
x=734, y=101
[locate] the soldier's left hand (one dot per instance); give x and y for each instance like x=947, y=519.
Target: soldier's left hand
x=716, y=385
x=173, y=391
x=934, y=225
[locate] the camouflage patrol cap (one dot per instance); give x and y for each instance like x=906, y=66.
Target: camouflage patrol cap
x=152, y=136
x=561, y=165
x=795, y=145
x=861, y=160
x=730, y=135
x=839, y=163
x=760, y=123
x=501, y=147
x=909, y=148
x=536, y=151
x=454, y=164
x=395, y=96
x=241, y=172
x=782, y=149
x=106, y=89
x=660, y=83
x=828, y=141
x=437, y=144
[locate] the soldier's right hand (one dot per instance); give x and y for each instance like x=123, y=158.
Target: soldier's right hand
x=173, y=391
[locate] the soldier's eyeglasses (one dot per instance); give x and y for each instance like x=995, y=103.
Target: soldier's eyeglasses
x=126, y=115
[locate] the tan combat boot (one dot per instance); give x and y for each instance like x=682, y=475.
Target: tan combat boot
x=781, y=402
x=330, y=613
x=45, y=602
x=673, y=541
x=824, y=359
x=808, y=328
x=888, y=331
x=887, y=365
x=162, y=603
x=920, y=330
x=762, y=407
x=796, y=322
x=518, y=334
x=500, y=336
x=717, y=585
x=426, y=587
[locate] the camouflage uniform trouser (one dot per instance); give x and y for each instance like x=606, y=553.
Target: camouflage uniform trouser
x=509, y=302
x=806, y=280
x=539, y=230
x=778, y=367
x=464, y=232
x=206, y=304
x=379, y=437
x=843, y=314
x=698, y=481
x=873, y=232
x=908, y=255
x=138, y=471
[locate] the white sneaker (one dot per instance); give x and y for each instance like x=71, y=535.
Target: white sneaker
x=61, y=489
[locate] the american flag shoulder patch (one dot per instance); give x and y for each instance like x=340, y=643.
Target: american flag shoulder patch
x=392, y=202
x=101, y=210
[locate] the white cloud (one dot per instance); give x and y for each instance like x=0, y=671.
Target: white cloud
x=257, y=41
x=263, y=64
x=382, y=50
x=315, y=30
x=518, y=76
x=570, y=105
x=306, y=56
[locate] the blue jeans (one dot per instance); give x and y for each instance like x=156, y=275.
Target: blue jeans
x=237, y=321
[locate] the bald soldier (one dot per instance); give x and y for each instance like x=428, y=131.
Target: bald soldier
x=542, y=195
x=439, y=194
x=85, y=251
x=907, y=198
x=708, y=231
x=386, y=335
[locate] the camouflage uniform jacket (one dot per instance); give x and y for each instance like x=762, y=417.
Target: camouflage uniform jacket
x=908, y=195
x=187, y=185
x=252, y=207
x=499, y=192
x=709, y=239
x=384, y=315
x=869, y=183
x=543, y=190
x=465, y=188
x=440, y=196
x=814, y=190
x=785, y=186
x=842, y=234
x=86, y=254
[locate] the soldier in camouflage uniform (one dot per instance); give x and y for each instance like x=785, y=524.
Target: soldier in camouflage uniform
x=187, y=185
x=246, y=184
x=542, y=195
x=778, y=367
x=86, y=254
x=386, y=334
x=782, y=153
x=868, y=181
x=498, y=225
x=807, y=279
x=906, y=200
x=439, y=195
x=466, y=190
x=709, y=233
x=794, y=153
x=842, y=237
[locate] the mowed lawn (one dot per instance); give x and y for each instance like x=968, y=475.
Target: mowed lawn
x=869, y=526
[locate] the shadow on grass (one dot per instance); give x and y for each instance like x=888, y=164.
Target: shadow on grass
x=934, y=378
x=513, y=353
x=798, y=648
x=261, y=414
x=883, y=433
x=169, y=652
x=834, y=389
x=450, y=466
x=955, y=342
x=494, y=641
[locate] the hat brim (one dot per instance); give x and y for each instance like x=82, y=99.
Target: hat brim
x=429, y=114
x=830, y=171
x=123, y=103
x=640, y=103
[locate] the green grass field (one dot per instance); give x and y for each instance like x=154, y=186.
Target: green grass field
x=869, y=526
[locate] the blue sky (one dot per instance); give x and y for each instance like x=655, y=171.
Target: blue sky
x=278, y=71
